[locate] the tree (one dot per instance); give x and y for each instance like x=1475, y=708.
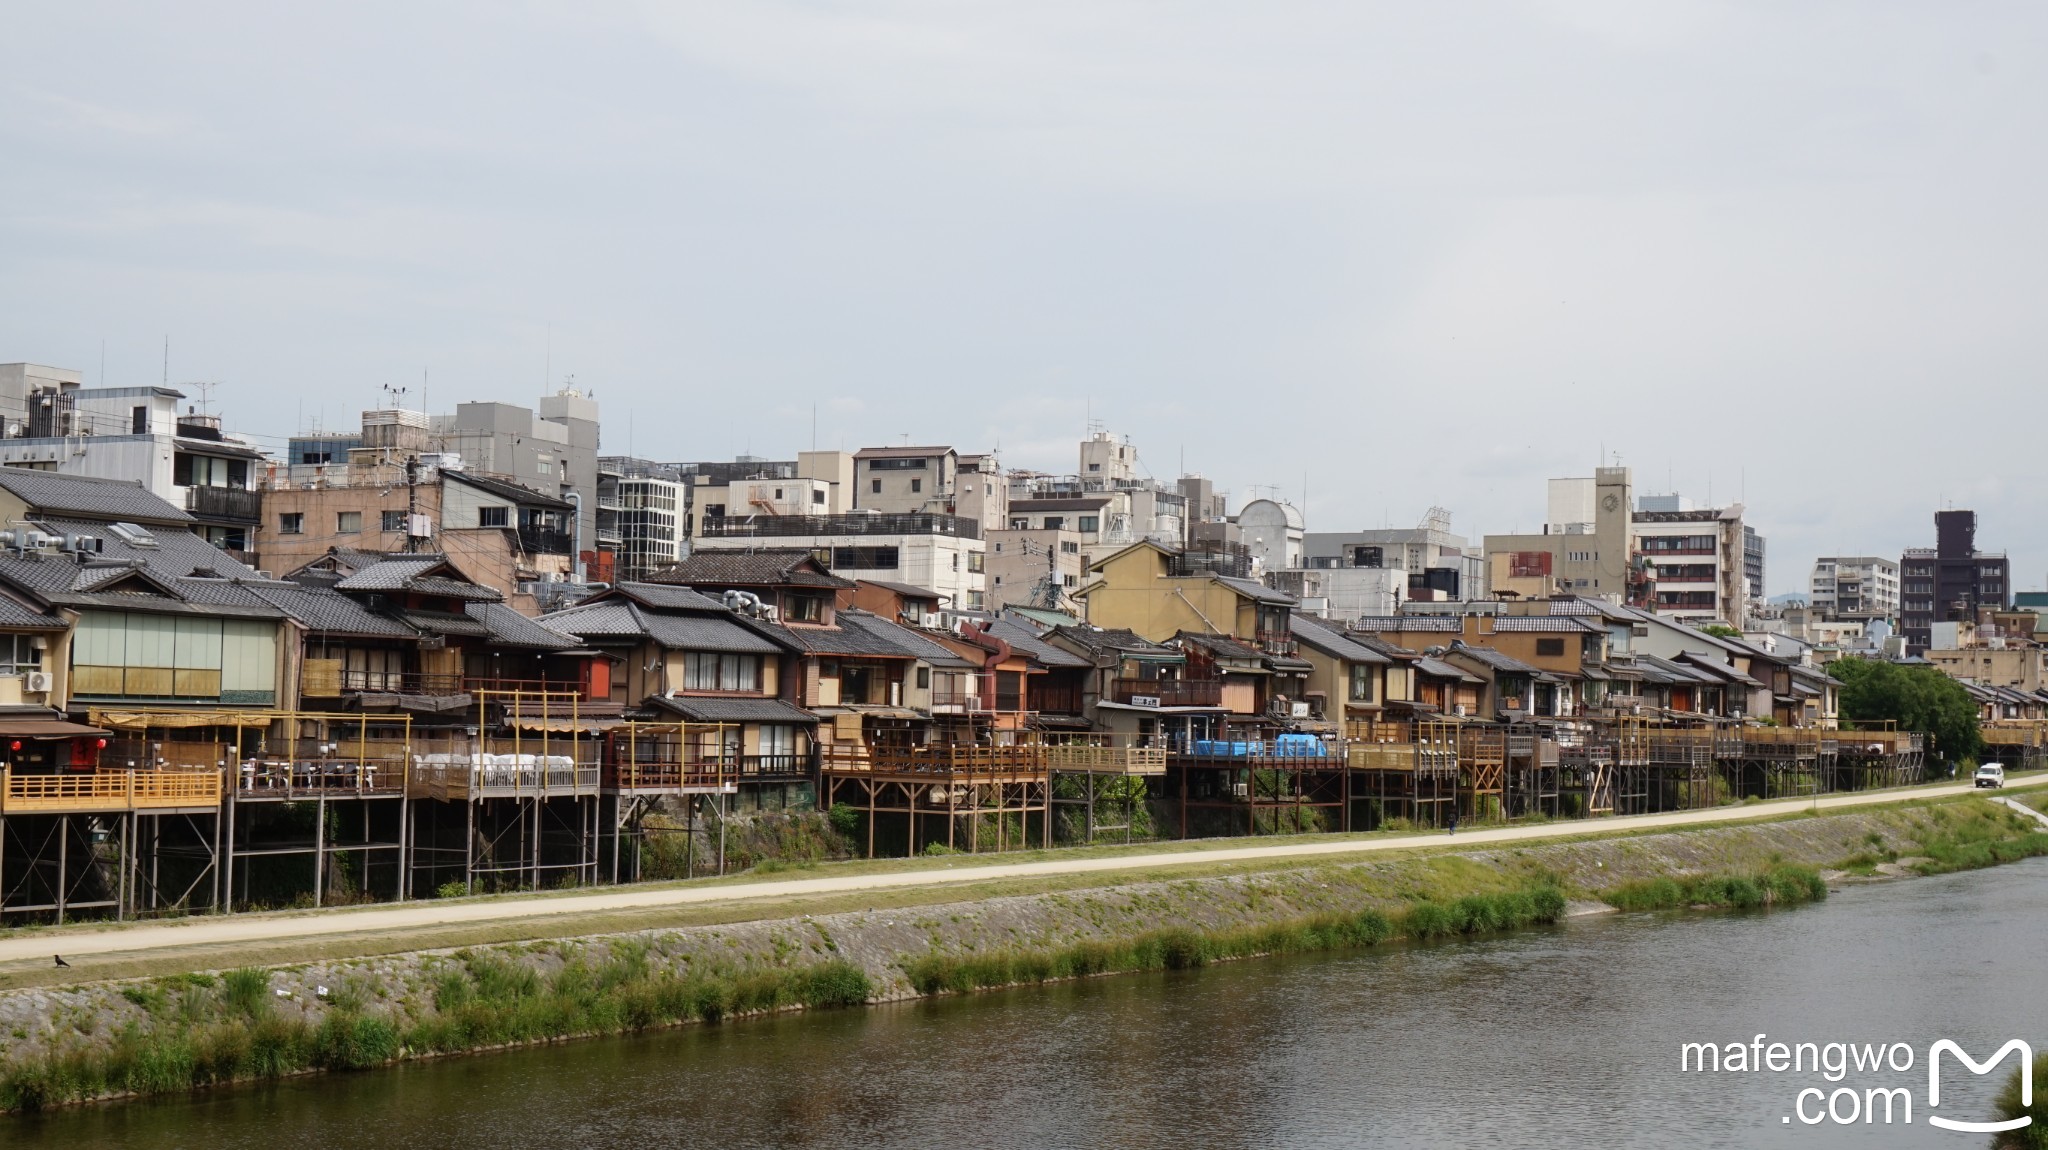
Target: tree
x=2008, y=1107
x=1917, y=698
x=1721, y=630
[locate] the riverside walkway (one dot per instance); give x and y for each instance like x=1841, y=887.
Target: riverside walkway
x=135, y=939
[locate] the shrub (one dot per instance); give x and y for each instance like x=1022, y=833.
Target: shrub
x=246, y=991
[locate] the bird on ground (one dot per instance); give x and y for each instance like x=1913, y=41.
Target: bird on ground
x=60, y=960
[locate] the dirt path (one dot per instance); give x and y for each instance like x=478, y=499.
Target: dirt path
x=209, y=930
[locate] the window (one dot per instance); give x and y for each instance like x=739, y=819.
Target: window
x=977, y=562
x=391, y=521
x=1554, y=647
x=493, y=517
x=956, y=561
x=864, y=558
x=1089, y=524
x=999, y=549
x=714, y=511
x=778, y=493
x=1072, y=580
x=704, y=671
x=804, y=609
x=1020, y=525
x=208, y=471
x=1361, y=683
x=547, y=466
x=138, y=421
x=924, y=678
x=898, y=464
x=1095, y=467
x=817, y=497
x=1070, y=548
x=291, y=523
x=18, y=654
x=916, y=485
x=875, y=486
x=1055, y=522
x=348, y=522
x=778, y=739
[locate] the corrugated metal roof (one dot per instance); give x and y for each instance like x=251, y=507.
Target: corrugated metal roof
x=1548, y=624
x=524, y=496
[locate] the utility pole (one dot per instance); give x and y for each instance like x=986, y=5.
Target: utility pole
x=412, y=503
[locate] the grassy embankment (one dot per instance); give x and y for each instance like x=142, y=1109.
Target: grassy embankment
x=189, y=1031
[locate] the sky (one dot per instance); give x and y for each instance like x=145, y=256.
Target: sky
x=1369, y=257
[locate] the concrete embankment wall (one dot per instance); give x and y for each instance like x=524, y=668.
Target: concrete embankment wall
x=408, y=995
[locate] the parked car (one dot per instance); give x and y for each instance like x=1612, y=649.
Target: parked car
x=1991, y=775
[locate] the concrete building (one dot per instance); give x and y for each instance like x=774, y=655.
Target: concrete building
x=1854, y=587
x=135, y=434
x=551, y=449
x=941, y=553
x=1429, y=556
x=1695, y=561
x=1137, y=508
x=1950, y=581
x=1344, y=594
x=814, y=483
x=640, y=518
x=2023, y=668
x=1586, y=546
x=1272, y=531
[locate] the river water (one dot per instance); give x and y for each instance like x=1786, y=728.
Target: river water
x=1561, y=1037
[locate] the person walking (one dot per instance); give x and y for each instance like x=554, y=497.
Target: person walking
x=1454, y=820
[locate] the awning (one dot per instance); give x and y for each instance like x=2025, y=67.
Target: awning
x=169, y=720
x=46, y=729
x=564, y=726
x=1216, y=710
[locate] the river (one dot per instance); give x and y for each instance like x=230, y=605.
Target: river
x=1561, y=1037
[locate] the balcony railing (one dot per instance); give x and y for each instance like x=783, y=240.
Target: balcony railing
x=815, y=526
x=1276, y=642
x=225, y=503
x=108, y=790
x=1170, y=692
x=545, y=541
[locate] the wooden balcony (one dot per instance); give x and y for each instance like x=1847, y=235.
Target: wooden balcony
x=1107, y=760
x=1170, y=692
x=943, y=763
x=92, y=792
x=463, y=776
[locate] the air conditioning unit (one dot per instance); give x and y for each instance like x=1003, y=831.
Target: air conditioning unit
x=1301, y=710
x=1241, y=790
x=38, y=681
x=934, y=621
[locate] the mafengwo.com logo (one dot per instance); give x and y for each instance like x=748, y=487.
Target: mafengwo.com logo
x=1882, y=1093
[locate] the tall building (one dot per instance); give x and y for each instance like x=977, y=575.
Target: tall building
x=1428, y=555
x=1951, y=581
x=1585, y=548
x=639, y=518
x=1694, y=560
x=551, y=449
x=1850, y=587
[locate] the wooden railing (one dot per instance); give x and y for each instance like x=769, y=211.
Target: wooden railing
x=945, y=760
x=1107, y=760
x=1171, y=692
x=83, y=791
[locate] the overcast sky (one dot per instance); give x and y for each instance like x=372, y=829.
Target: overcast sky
x=1405, y=254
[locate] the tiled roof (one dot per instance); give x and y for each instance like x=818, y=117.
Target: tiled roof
x=768, y=567
x=1546, y=624
x=904, y=638
x=1411, y=624
x=1220, y=646
x=859, y=633
x=16, y=616
x=391, y=573
x=104, y=500
x=1392, y=651
x=326, y=611
x=512, y=629
x=1438, y=669
x=1111, y=641
x=719, y=709
x=1495, y=659
x=705, y=633
x=445, y=623
x=524, y=496
x=906, y=590
x=1321, y=638
x=719, y=631
x=1021, y=638
x=1253, y=589
x=669, y=597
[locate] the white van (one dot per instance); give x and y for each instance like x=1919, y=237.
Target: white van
x=1991, y=775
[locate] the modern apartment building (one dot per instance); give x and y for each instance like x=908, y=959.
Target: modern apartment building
x=137, y=434
x=640, y=528
x=941, y=553
x=1854, y=587
x=1428, y=555
x=1694, y=561
x=1585, y=548
x=1951, y=581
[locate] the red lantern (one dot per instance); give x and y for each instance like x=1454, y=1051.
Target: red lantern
x=15, y=745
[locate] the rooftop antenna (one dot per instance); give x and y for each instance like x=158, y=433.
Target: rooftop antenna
x=814, y=425
x=103, y=362
x=167, y=360
x=205, y=387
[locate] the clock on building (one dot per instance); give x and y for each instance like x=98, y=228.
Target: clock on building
x=1611, y=502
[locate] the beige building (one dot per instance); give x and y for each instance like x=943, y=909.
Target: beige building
x=2022, y=668
x=1584, y=548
